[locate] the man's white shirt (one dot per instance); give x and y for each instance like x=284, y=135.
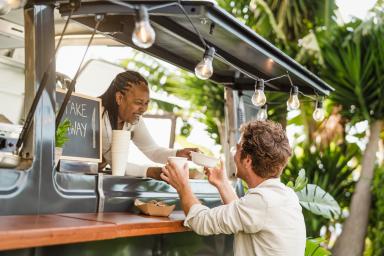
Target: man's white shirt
x=268, y=220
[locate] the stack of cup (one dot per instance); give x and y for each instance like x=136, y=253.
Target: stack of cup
x=119, y=151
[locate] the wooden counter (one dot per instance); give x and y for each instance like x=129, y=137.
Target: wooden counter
x=25, y=231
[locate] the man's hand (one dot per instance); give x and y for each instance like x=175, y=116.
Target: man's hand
x=177, y=178
x=186, y=152
x=217, y=175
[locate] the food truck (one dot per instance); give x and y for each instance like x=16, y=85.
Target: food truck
x=45, y=211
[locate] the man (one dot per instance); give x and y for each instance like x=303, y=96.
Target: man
x=268, y=219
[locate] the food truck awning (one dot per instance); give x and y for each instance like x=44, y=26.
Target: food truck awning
x=241, y=54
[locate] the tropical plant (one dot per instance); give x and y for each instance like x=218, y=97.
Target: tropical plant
x=61, y=136
x=330, y=168
x=356, y=72
x=317, y=201
x=283, y=23
x=376, y=227
x=314, y=199
x=313, y=248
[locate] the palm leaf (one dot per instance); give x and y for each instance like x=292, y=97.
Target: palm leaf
x=316, y=200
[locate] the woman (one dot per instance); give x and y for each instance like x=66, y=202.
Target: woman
x=124, y=103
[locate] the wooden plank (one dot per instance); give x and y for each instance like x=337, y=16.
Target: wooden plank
x=25, y=231
x=128, y=225
x=41, y=230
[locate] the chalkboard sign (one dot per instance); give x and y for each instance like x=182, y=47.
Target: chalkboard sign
x=85, y=132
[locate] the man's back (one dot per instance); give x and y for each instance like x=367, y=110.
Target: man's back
x=273, y=221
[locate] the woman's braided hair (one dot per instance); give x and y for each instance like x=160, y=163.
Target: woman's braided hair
x=122, y=83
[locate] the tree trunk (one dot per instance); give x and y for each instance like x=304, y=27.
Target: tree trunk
x=352, y=239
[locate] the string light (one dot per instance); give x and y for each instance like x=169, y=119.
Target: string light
x=258, y=98
x=293, y=102
x=143, y=35
x=262, y=114
x=319, y=113
x=204, y=68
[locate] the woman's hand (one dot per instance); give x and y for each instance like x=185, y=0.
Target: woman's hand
x=186, y=152
x=217, y=175
x=177, y=178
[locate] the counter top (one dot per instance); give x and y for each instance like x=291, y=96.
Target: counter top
x=25, y=231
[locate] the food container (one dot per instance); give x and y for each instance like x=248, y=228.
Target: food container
x=204, y=160
x=154, y=208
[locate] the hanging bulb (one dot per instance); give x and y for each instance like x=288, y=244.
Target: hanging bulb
x=293, y=102
x=262, y=114
x=258, y=98
x=143, y=36
x=319, y=113
x=204, y=69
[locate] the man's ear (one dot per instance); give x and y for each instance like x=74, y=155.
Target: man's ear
x=118, y=97
x=248, y=162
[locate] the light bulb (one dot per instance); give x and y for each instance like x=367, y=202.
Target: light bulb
x=143, y=36
x=258, y=98
x=319, y=113
x=262, y=114
x=204, y=68
x=293, y=102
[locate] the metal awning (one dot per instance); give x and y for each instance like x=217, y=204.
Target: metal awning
x=241, y=54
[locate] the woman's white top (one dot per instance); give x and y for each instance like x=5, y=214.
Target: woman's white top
x=142, y=139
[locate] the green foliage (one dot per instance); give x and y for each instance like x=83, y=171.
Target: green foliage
x=186, y=129
x=206, y=98
x=317, y=201
x=331, y=169
x=313, y=248
x=283, y=23
x=376, y=228
x=313, y=198
x=300, y=183
x=355, y=70
x=277, y=107
x=61, y=136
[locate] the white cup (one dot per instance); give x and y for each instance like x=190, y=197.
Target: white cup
x=178, y=161
x=119, y=160
x=119, y=151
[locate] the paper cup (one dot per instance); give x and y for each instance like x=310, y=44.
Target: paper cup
x=119, y=151
x=178, y=161
x=119, y=160
x=120, y=139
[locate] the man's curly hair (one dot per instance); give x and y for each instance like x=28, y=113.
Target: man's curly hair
x=267, y=144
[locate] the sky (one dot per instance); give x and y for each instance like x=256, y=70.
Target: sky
x=358, y=8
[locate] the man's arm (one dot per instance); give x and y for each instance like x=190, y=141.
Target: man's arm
x=227, y=193
x=217, y=176
x=187, y=199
